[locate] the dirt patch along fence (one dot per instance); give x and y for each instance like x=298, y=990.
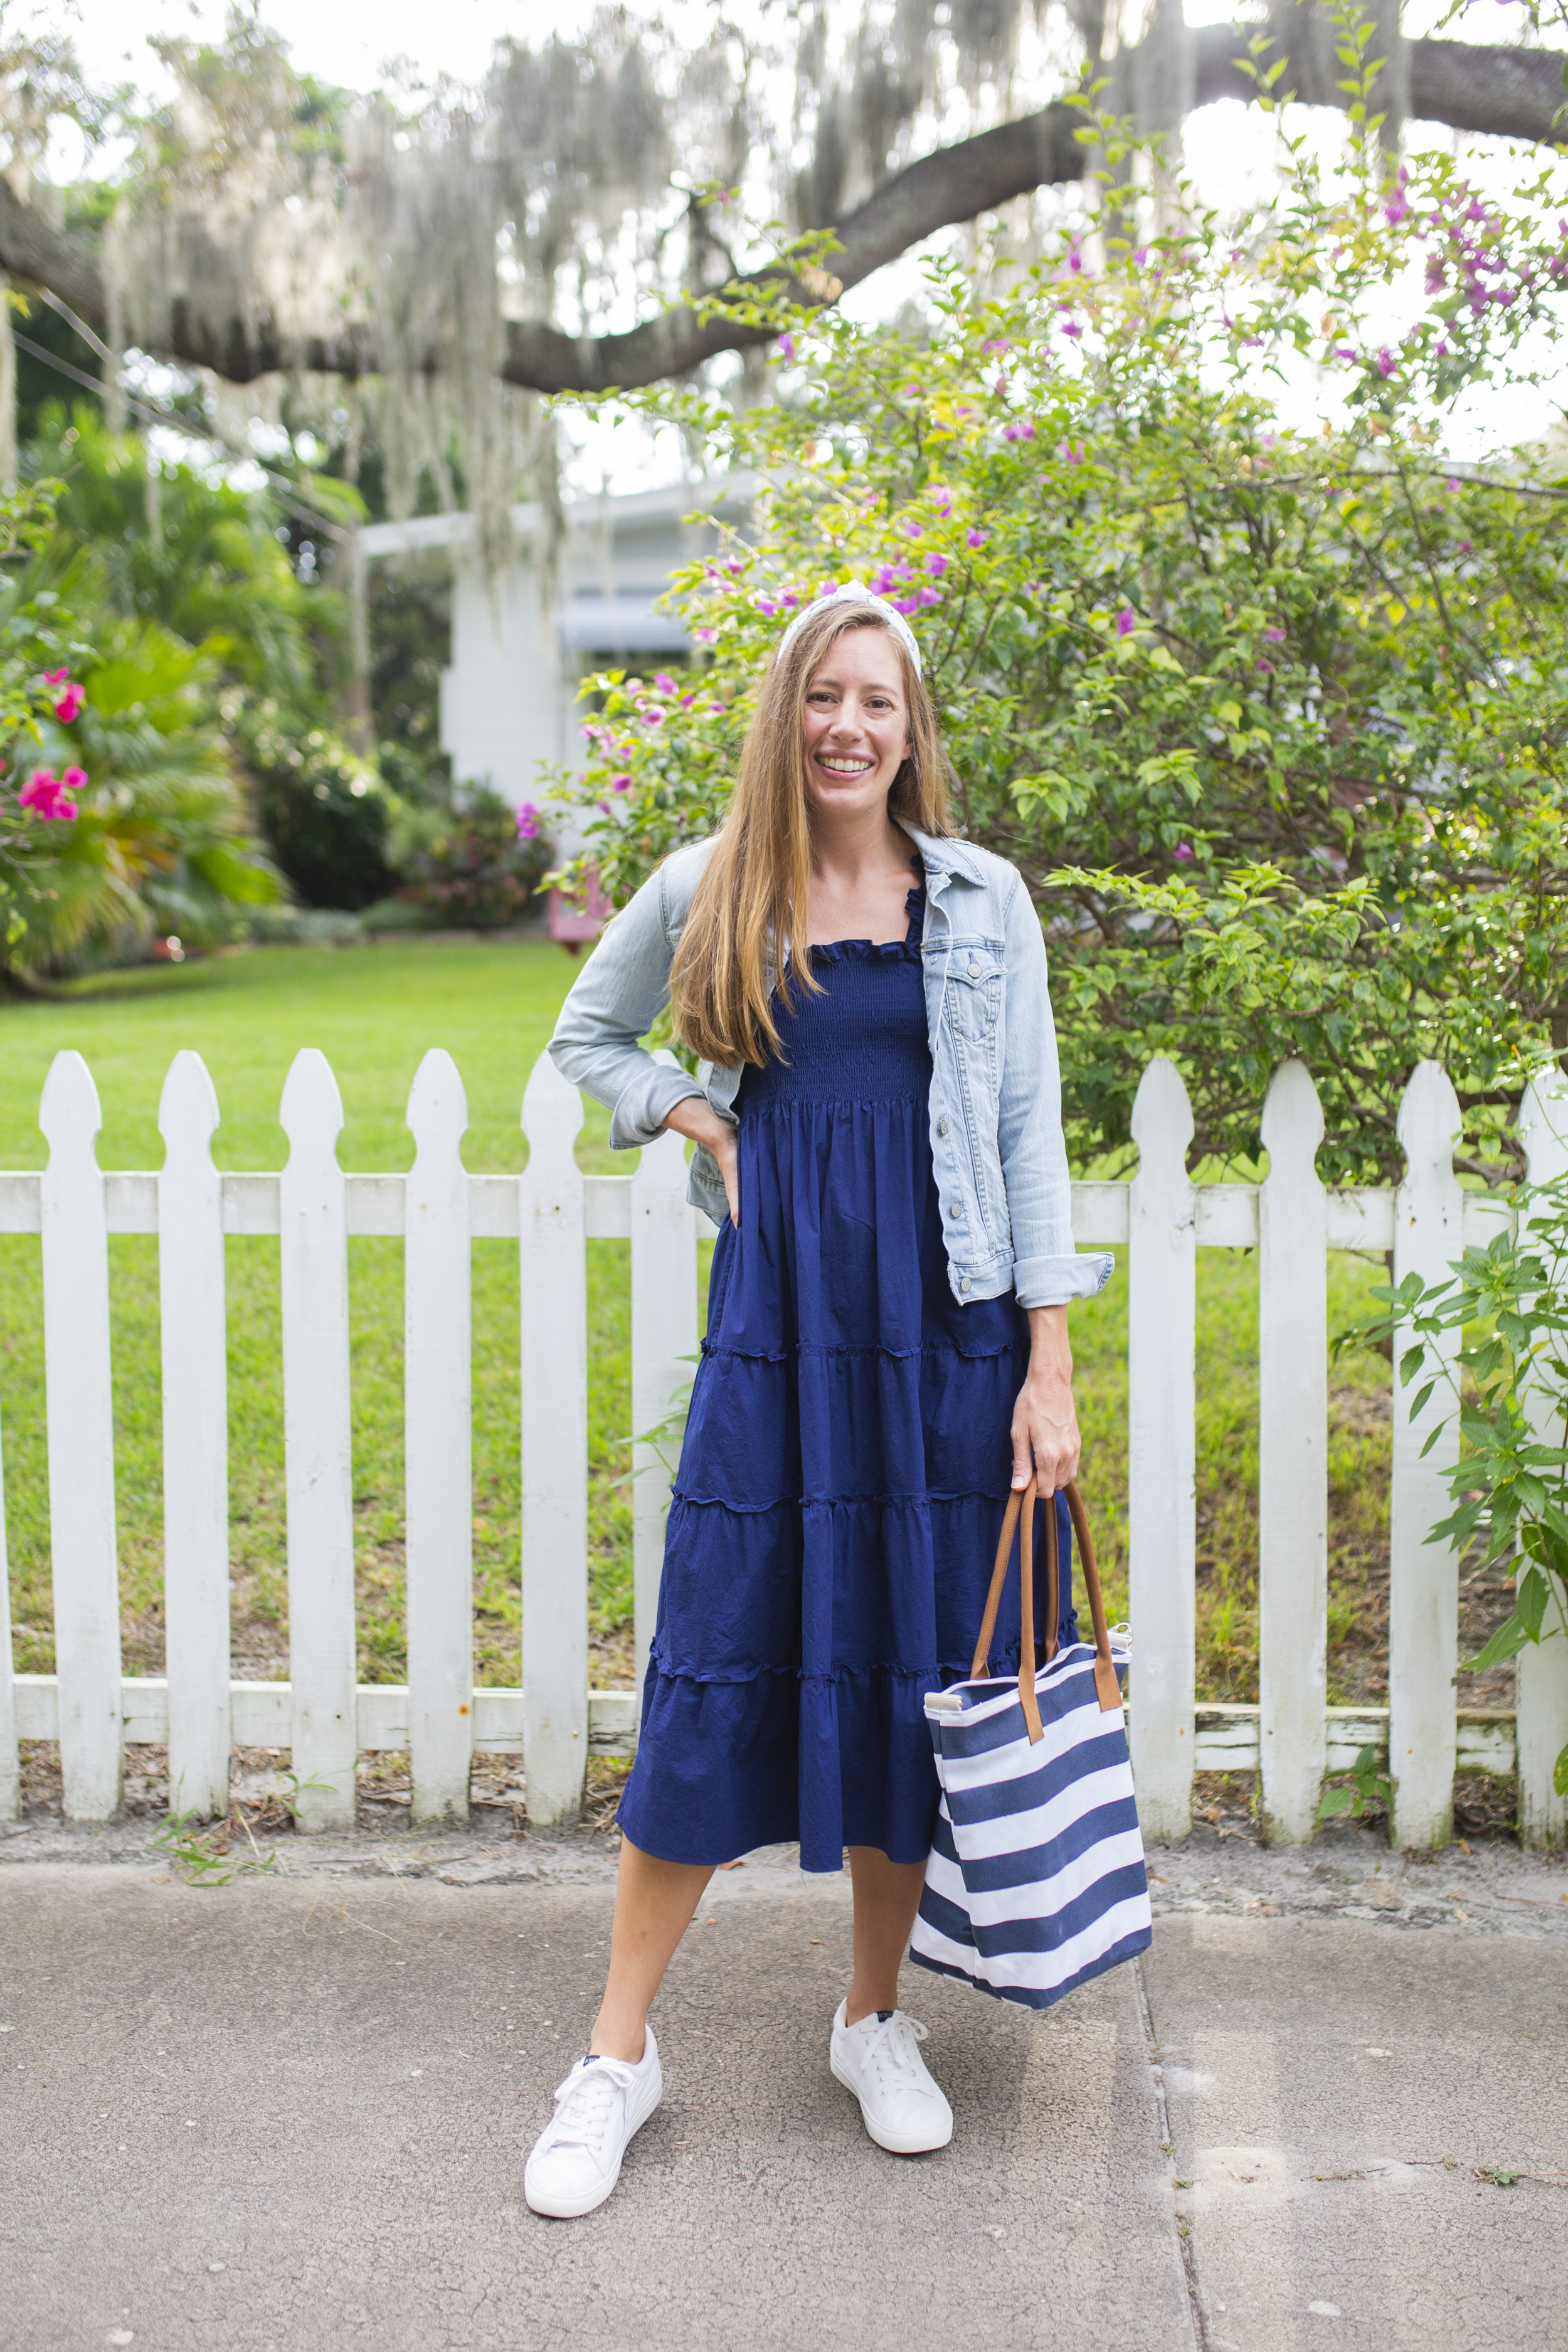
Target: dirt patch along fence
x=1291, y=1739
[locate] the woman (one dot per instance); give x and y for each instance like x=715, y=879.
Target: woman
x=878, y=1137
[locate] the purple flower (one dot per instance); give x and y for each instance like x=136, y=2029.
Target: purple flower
x=910, y=529
x=1075, y=260
x=1267, y=668
x=527, y=823
x=1125, y=623
x=706, y=636
x=786, y=347
x=1018, y=431
x=1274, y=636
x=936, y=565
x=929, y=597
x=766, y=604
x=942, y=500
x=1345, y=352
x=1184, y=853
x=882, y=580
x=904, y=603
x=974, y=539
x=1071, y=326
x=620, y=784
x=1452, y=483
x=1386, y=364
x=663, y=680
x=998, y=345
x=1140, y=256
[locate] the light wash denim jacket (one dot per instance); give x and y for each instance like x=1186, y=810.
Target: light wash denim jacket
x=996, y=1095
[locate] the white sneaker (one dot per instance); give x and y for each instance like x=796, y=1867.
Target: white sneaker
x=576, y=2159
x=879, y=2059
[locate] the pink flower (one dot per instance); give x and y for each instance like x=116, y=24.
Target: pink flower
x=74, y=780
x=786, y=347
x=1140, y=256
x=706, y=636
x=1018, y=432
x=1000, y=385
x=1267, y=668
x=882, y=580
x=904, y=603
x=936, y=565
x=56, y=676
x=766, y=604
x=994, y=349
x=1386, y=364
x=929, y=597
x=910, y=529
x=942, y=500
x=1274, y=636
x=49, y=800
x=1184, y=853
x=663, y=680
x=1343, y=351
x=974, y=539
x=527, y=824
x=1075, y=260
x=70, y=703
x=1452, y=483
x=651, y=716
x=618, y=784
x=1125, y=624
x=1075, y=452
x=1070, y=327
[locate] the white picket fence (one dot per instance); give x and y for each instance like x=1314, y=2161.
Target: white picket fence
x=1293, y=1737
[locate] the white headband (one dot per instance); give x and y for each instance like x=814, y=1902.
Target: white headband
x=855, y=591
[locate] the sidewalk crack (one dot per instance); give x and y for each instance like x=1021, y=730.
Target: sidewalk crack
x=1182, y=2244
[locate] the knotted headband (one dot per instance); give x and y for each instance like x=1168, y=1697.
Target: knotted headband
x=855, y=591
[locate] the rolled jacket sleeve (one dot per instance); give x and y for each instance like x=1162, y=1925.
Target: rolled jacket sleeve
x=616, y=999
x=1046, y=1270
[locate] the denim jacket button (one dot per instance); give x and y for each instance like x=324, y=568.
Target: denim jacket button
x=964, y=1282
x=942, y=1127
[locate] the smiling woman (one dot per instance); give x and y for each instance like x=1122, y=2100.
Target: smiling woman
x=878, y=1134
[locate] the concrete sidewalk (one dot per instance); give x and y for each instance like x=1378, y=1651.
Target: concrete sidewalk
x=292, y=2113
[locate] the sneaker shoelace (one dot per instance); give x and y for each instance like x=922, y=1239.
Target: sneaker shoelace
x=893, y=2048
x=588, y=2104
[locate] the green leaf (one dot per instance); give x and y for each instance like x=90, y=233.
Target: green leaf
x=1530, y=1607
x=1338, y=1801
x=1506, y=1643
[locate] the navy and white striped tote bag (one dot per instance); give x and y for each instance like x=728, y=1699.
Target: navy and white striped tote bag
x=1036, y=1880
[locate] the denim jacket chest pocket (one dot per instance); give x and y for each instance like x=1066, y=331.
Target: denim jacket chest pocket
x=973, y=1000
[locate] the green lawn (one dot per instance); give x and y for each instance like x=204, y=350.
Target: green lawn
x=374, y=1011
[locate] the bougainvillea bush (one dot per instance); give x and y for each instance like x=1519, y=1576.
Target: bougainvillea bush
x=1265, y=695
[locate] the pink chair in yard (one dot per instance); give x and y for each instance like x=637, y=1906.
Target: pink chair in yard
x=573, y=921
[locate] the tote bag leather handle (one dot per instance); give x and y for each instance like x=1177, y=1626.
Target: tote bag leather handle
x=1108, y=1688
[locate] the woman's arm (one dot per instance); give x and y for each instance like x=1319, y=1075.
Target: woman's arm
x=1046, y=1270
x=616, y=999
x=693, y=1118
x=1045, y=1422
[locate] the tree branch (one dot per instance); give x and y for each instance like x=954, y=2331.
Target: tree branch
x=1511, y=92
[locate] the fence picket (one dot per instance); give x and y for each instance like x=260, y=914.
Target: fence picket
x=313, y=1269
x=80, y=1417
x=1162, y=1526
x=1423, y=1577
x=195, y=1441
x=10, y=1774
x=664, y=1330
x=1543, y=1672
x=552, y=1245
x=438, y=1443
x=1292, y=1459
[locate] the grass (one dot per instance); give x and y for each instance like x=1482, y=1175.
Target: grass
x=374, y=1011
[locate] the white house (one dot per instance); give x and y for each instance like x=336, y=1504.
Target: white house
x=521, y=644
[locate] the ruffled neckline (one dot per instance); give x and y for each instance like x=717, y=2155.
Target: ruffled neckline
x=881, y=951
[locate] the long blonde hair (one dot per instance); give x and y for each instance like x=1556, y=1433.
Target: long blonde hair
x=752, y=900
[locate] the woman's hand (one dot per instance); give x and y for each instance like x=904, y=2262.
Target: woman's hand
x=693, y=1118
x=1046, y=1442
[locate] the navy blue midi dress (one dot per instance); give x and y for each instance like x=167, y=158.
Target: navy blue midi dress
x=846, y=1460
